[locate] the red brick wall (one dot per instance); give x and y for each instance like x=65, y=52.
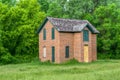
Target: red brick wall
x=94, y=47
x=62, y=39
x=89, y=43
x=78, y=46
x=91, y=46
x=66, y=39
x=48, y=43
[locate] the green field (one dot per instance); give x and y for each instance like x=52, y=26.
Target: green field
x=99, y=70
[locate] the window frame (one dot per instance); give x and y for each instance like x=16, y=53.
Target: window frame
x=44, y=34
x=53, y=52
x=85, y=35
x=67, y=51
x=53, y=33
x=44, y=52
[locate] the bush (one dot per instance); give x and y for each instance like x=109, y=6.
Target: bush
x=5, y=56
x=71, y=62
x=108, y=56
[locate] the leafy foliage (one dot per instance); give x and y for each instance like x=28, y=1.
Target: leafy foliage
x=20, y=19
x=103, y=14
x=108, y=24
x=19, y=25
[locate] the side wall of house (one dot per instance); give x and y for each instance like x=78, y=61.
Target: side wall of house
x=66, y=39
x=92, y=52
x=89, y=43
x=48, y=43
x=62, y=39
x=78, y=46
x=76, y=43
x=94, y=47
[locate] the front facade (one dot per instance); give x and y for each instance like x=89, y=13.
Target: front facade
x=64, y=39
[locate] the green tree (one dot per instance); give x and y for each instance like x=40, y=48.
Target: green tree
x=19, y=26
x=107, y=20
x=44, y=5
x=55, y=10
x=9, y=2
x=5, y=56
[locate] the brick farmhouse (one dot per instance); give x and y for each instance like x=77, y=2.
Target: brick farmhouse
x=64, y=39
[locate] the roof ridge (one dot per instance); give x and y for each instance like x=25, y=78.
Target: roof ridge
x=67, y=19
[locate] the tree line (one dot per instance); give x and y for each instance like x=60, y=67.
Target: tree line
x=20, y=19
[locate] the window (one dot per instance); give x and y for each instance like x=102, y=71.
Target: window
x=53, y=33
x=44, y=34
x=44, y=52
x=67, y=52
x=53, y=54
x=85, y=35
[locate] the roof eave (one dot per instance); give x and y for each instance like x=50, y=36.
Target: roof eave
x=42, y=25
x=96, y=32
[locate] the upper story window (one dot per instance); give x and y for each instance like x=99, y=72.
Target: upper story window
x=44, y=34
x=53, y=33
x=85, y=35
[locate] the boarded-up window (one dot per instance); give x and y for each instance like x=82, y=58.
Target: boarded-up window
x=44, y=52
x=67, y=51
x=44, y=34
x=53, y=33
x=85, y=35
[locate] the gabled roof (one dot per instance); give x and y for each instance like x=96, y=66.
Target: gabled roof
x=69, y=25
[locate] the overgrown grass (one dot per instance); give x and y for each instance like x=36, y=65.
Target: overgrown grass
x=72, y=70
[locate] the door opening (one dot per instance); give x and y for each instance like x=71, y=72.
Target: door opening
x=86, y=56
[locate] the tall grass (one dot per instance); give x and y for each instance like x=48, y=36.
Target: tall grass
x=72, y=70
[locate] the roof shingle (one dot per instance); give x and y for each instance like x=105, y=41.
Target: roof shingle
x=71, y=25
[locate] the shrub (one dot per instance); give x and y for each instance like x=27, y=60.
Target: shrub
x=108, y=56
x=5, y=56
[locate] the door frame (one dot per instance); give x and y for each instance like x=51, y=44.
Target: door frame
x=86, y=53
